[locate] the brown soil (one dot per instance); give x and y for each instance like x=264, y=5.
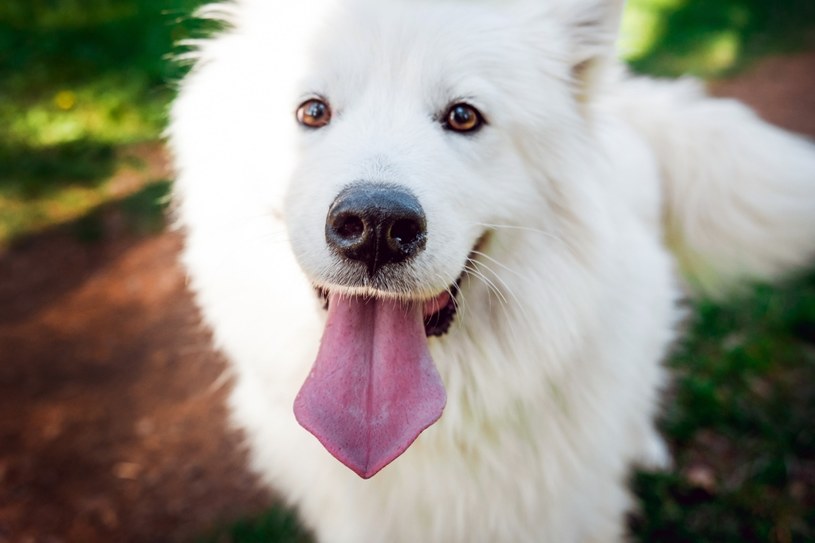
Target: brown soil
x=112, y=418
x=782, y=90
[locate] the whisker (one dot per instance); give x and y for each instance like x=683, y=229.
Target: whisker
x=486, y=279
x=490, y=288
x=458, y=305
x=493, y=288
x=512, y=331
x=449, y=291
x=501, y=280
x=521, y=306
x=490, y=285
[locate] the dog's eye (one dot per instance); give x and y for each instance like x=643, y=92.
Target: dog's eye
x=314, y=113
x=463, y=118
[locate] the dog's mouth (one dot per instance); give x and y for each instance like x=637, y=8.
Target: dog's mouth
x=439, y=311
x=374, y=387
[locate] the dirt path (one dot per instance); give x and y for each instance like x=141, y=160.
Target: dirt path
x=112, y=423
x=112, y=420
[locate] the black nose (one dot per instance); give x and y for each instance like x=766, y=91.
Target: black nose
x=376, y=224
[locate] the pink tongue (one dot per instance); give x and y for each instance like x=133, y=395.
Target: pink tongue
x=373, y=388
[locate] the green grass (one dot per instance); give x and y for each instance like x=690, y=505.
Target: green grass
x=277, y=526
x=712, y=37
x=79, y=81
x=140, y=213
x=741, y=426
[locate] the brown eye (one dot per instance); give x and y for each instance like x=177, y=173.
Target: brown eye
x=314, y=113
x=463, y=118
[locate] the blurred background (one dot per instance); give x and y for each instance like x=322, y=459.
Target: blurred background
x=112, y=424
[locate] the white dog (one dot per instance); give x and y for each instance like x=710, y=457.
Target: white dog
x=483, y=217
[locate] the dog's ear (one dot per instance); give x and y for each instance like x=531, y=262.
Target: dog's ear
x=593, y=27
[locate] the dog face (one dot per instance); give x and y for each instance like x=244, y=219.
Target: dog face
x=408, y=102
x=416, y=141
x=390, y=81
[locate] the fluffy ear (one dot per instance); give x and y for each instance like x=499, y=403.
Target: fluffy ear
x=592, y=27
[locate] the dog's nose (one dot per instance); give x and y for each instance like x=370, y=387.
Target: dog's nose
x=376, y=224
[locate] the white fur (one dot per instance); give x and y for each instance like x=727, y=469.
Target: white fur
x=581, y=178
